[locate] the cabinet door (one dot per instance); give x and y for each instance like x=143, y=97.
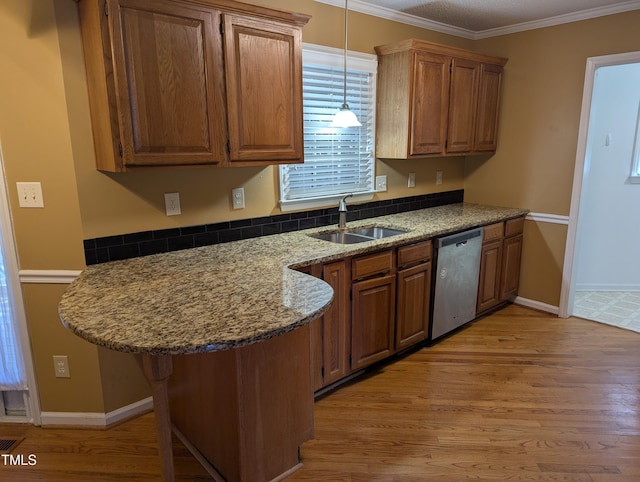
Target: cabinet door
x=462, y=105
x=512, y=252
x=264, y=90
x=412, y=305
x=167, y=59
x=489, y=284
x=429, y=104
x=486, y=135
x=336, y=321
x=372, y=324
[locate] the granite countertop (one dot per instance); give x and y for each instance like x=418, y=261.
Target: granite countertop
x=229, y=295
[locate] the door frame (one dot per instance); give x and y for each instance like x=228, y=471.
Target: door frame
x=13, y=279
x=568, y=272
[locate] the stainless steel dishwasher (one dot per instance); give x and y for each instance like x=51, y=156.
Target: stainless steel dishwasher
x=456, y=281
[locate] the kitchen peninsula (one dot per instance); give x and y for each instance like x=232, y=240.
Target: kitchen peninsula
x=226, y=298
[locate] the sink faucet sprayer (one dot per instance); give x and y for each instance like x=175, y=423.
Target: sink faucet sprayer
x=342, y=212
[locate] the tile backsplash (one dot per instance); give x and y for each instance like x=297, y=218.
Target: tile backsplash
x=123, y=246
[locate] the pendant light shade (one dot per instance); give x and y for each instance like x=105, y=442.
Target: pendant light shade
x=345, y=116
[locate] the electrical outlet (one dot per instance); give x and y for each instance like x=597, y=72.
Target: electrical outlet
x=172, y=203
x=30, y=194
x=412, y=180
x=237, y=196
x=438, y=177
x=61, y=365
x=381, y=183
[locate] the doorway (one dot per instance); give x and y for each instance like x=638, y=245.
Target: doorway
x=600, y=252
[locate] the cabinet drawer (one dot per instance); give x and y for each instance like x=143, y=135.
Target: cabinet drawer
x=372, y=265
x=493, y=231
x=514, y=226
x=414, y=253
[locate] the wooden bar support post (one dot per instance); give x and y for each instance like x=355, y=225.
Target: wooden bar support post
x=157, y=369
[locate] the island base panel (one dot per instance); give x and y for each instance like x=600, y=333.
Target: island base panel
x=249, y=409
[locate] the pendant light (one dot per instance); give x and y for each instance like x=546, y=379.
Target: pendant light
x=345, y=116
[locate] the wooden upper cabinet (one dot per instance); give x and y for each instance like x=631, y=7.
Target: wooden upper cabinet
x=167, y=60
x=167, y=89
x=436, y=100
x=264, y=90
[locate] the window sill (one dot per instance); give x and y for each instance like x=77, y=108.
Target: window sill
x=322, y=202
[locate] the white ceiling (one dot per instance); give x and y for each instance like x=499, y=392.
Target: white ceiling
x=487, y=18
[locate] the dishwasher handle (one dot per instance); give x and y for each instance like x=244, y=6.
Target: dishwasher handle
x=459, y=239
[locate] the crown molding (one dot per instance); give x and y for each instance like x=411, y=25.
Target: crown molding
x=560, y=19
x=413, y=20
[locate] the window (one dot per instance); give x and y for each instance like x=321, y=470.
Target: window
x=336, y=160
x=634, y=177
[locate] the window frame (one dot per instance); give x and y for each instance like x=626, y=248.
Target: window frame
x=634, y=175
x=332, y=57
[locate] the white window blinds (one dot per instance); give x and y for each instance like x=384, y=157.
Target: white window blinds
x=336, y=160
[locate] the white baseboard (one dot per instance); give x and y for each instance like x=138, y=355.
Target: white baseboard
x=95, y=419
x=606, y=287
x=536, y=305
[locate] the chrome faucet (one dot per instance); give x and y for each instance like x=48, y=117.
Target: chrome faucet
x=342, y=211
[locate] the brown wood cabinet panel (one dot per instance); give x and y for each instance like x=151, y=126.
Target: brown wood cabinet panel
x=486, y=131
x=414, y=253
x=336, y=324
x=372, y=322
x=214, y=398
x=512, y=253
x=490, y=266
x=492, y=232
x=514, y=226
x=462, y=105
x=264, y=90
x=373, y=264
x=429, y=104
x=412, y=305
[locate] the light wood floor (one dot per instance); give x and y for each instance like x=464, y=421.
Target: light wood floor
x=518, y=395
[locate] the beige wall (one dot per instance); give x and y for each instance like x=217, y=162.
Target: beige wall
x=46, y=136
x=540, y=114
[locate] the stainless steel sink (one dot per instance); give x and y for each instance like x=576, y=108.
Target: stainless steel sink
x=357, y=235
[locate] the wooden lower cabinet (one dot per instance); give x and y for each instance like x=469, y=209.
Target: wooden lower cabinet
x=372, y=323
x=412, y=305
x=500, y=263
x=489, y=283
x=336, y=327
x=512, y=252
x=331, y=333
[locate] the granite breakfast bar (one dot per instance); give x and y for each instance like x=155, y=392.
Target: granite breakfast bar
x=229, y=297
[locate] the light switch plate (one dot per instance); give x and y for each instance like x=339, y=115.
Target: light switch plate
x=30, y=194
x=381, y=183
